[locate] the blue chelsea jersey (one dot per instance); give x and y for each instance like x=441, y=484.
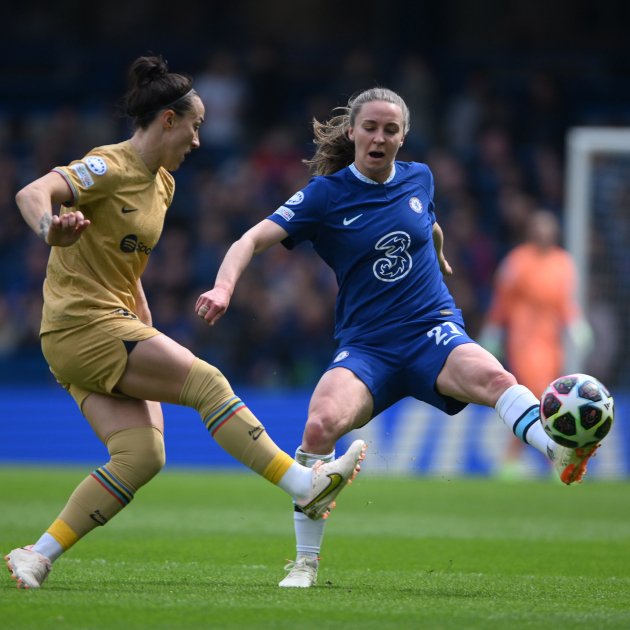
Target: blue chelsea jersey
x=378, y=240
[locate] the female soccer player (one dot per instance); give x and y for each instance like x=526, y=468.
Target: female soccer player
x=371, y=219
x=96, y=330
x=532, y=309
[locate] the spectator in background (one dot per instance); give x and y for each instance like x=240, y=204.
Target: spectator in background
x=547, y=176
x=474, y=253
x=13, y=237
x=223, y=90
x=358, y=68
x=466, y=111
x=514, y=208
x=454, y=178
x=495, y=166
x=276, y=160
x=544, y=113
x=10, y=332
x=265, y=75
x=532, y=310
x=416, y=84
x=61, y=137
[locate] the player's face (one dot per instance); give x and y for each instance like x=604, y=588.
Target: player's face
x=378, y=133
x=183, y=135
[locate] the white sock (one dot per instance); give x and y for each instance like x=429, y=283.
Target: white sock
x=297, y=481
x=309, y=533
x=520, y=411
x=48, y=546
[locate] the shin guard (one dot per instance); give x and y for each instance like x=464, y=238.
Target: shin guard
x=137, y=455
x=231, y=423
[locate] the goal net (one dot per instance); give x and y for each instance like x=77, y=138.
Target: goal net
x=597, y=233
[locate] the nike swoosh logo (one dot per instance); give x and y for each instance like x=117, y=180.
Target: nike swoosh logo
x=347, y=221
x=256, y=433
x=335, y=481
x=126, y=210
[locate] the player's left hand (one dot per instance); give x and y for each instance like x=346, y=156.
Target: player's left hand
x=445, y=267
x=212, y=304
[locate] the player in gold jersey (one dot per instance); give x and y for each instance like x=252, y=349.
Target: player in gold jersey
x=97, y=334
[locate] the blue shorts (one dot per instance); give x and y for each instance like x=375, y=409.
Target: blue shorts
x=407, y=365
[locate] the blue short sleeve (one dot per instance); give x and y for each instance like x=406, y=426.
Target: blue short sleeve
x=301, y=214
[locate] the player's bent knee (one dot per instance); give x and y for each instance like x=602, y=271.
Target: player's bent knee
x=205, y=388
x=502, y=379
x=321, y=431
x=137, y=455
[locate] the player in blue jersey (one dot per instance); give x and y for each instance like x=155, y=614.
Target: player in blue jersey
x=399, y=333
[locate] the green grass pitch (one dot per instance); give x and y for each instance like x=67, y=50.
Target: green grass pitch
x=200, y=549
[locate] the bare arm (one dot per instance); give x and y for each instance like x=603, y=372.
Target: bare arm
x=438, y=243
x=212, y=304
x=36, y=201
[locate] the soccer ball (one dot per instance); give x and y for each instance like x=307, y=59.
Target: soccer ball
x=576, y=411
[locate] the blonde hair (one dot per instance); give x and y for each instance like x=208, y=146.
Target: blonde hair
x=334, y=149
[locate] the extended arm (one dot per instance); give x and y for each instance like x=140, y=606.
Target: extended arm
x=36, y=201
x=212, y=304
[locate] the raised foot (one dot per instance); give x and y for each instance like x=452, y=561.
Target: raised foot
x=330, y=479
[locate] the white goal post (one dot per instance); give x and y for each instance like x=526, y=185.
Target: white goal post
x=584, y=144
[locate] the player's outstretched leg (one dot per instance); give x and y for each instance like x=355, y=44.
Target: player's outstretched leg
x=28, y=568
x=520, y=410
x=571, y=463
x=329, y=479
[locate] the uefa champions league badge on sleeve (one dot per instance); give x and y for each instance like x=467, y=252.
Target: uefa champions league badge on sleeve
x=96, y=164
x=83, y=174
x=285, y=213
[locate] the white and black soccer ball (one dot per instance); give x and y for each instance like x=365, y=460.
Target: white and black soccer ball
x=576, y=411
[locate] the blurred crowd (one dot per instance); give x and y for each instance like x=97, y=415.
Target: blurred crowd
x=495, y=143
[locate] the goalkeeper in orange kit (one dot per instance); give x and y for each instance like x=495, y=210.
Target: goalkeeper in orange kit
x=533, y=311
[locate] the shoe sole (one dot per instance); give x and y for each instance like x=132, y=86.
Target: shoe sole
x=574, y=473
x=352, y=477
x=281, y=585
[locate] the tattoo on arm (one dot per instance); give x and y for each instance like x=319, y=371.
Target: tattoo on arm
x=44, y=226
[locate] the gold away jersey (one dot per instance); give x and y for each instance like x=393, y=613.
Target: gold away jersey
x=126, y=205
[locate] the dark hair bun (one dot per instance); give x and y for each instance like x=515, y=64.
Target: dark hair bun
x=145, y=70
x=152, y=87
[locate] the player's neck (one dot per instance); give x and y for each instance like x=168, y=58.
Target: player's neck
x=141, y=142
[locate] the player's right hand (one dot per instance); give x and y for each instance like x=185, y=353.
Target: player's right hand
x=66, y=229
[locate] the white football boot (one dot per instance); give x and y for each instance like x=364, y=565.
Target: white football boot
x=571, y=463
x=28, y=568
x=330, y=478
x=302, y=573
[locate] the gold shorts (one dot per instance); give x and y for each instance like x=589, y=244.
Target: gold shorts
x=92, y=357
